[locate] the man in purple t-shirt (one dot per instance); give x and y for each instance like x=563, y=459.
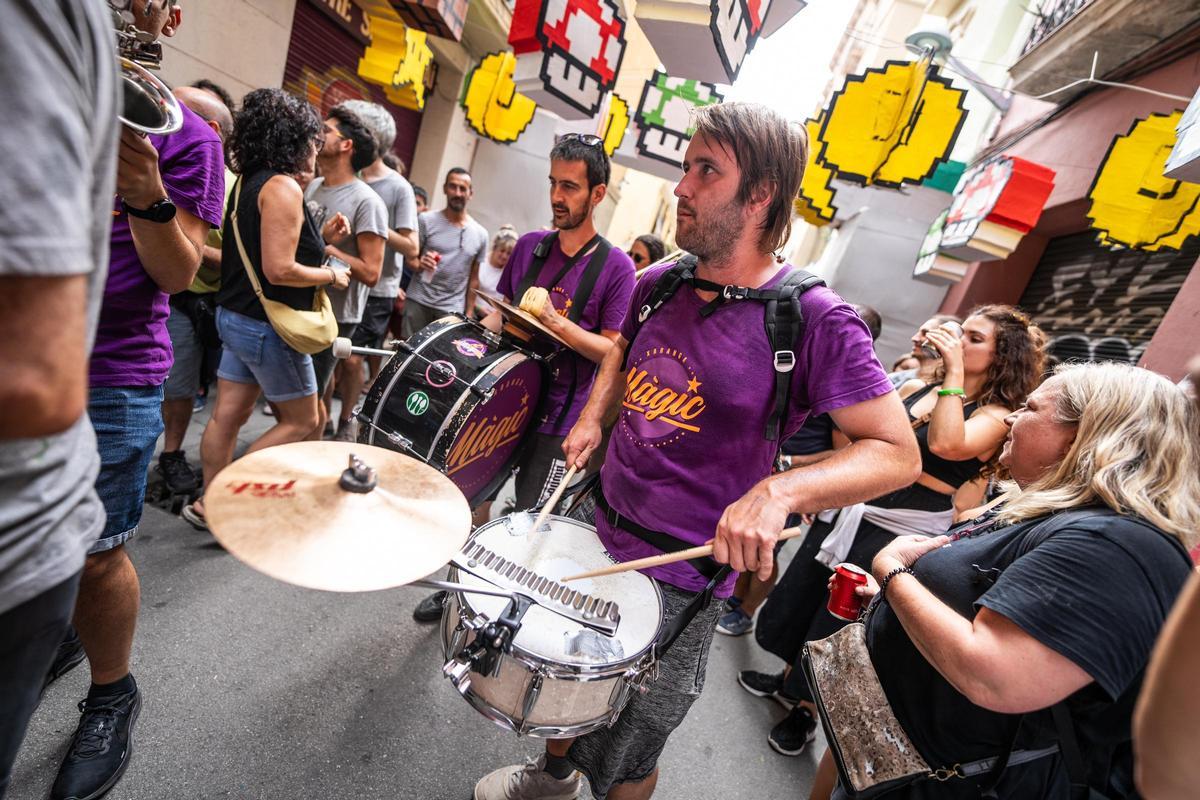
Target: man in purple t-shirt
x=170, y=191
x=579, y=174
x=689, y=459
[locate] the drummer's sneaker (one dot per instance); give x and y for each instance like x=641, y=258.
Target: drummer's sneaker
x=528, y=782
x=766, y=684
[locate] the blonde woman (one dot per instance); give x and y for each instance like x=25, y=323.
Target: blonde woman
x=1050, y=602
x=493, y=266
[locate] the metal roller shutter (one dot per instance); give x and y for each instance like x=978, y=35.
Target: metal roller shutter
x=321, y=65
x=1103, y=305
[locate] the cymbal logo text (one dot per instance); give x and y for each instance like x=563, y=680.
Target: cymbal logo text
x=264, y=490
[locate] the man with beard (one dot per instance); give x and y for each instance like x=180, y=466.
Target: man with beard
x=452, y=245
x=697, y=430
x=589, y=284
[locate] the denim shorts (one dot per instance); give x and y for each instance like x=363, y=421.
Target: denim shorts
x=128, y=421
x=252, y=352
x=183, y=381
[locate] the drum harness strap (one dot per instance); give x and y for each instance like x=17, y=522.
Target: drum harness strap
x=784, y=325
x=583, y=292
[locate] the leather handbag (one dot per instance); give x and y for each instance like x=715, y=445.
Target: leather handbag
x=306, y=332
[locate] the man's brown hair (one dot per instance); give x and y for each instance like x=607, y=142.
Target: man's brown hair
x=770, y=152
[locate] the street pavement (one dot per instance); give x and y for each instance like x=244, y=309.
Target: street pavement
x=253, y=688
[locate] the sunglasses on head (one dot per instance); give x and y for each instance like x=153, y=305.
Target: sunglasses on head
x=590, y=139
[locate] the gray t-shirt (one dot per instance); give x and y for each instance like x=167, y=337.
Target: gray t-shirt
x=397, y=195
x=59, y=94
x=367, y=214
x=459, y=246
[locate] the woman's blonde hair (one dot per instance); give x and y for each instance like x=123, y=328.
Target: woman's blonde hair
x=506, y=233
x=1136, y=450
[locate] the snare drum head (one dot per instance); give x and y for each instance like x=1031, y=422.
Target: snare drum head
x=567, y=547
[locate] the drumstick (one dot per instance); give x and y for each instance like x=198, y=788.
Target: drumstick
x=554, y=498
x=668, y=558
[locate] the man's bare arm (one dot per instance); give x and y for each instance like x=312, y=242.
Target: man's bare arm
x=43, y=362
x=603, y=406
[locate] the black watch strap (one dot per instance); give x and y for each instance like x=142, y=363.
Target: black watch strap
x=159, y=211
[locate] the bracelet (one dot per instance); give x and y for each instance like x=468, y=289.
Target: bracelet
x=956, y=392
x=883, y=584
x=332, y=276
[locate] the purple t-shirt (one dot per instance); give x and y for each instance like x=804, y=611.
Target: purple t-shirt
x=689, y=440
x=605, y=311
x=132, y=345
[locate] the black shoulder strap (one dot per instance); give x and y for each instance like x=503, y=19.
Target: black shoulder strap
x=587, y=281
x=664, y=289
x=785, y=325
x=540, y=253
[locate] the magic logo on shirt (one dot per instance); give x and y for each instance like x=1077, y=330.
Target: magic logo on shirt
x=561, y=300
x=663, y=399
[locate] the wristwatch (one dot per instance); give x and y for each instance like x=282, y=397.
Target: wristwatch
x=159, y=211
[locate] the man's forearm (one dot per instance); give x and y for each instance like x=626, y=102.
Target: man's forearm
x=168, y=256
x=403, y=243
x=604, y=402
x=866, y=468
x=210, y=257
x=592, y=346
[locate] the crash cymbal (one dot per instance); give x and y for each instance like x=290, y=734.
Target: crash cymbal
x=284, y=511
x=524, y=322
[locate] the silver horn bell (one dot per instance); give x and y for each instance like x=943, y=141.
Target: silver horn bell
x=147, y=104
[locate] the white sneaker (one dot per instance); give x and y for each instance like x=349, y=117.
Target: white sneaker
x=529, y=781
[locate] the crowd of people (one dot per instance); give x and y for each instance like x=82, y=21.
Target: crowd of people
x=1024, y=529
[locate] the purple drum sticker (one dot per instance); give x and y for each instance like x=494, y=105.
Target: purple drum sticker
x=471, y=348
x=440, y=374
x=492, y=432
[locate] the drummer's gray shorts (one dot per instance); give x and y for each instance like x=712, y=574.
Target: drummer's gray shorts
x=629, y=750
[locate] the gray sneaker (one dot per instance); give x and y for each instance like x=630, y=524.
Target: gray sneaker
x=347, y=431
x=528, y=781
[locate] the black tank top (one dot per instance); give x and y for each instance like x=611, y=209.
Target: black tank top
x=955, y=473
x=237, y=293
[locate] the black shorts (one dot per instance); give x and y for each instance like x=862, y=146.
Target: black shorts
x=373, y=327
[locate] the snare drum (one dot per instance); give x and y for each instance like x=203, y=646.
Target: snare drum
x=459, y=398
x=561, y=678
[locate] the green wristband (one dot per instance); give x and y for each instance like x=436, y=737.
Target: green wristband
x=945, y=392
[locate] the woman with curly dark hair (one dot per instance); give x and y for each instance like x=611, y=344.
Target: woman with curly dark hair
x=275, y=138
x=986, y=374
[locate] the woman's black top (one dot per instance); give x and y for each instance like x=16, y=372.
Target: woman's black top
x=1096, y=588
x=236, y=292
x=955, y=473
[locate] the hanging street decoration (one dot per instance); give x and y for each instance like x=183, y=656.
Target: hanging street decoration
x=1134, y=204
x=779, y=13
x=892, y=125
x=815, y=202
x=398, y=59
x=1184, y=161
x=703, y=39
x=933, y=266
x=493, y=106
x=995, y=205
x=444, y=18
x=664, y=124
x=616, y=123
x=568, y=53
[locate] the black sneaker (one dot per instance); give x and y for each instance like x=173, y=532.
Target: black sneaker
x=792, y=735
x=177, y=473
x=765, y=684
x=100, y=748
x=430, y=609
x=69, y=656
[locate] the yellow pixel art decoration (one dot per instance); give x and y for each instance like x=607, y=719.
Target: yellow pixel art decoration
x=398, y=59
x=815, y=203
x=892, y=125
x=616, y=122
x=1134, y=204
x=494, y=107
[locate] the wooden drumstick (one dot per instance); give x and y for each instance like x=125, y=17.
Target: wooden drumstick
x=669, y=558
x=554, y=498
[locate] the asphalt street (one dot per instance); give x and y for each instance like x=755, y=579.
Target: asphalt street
x=253, y=688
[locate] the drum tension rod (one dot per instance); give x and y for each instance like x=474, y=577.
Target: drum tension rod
x=479, y=392
x=494, y=640
x=395, y=438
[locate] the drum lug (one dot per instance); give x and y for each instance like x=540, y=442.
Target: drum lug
x=459, y=673
x=531, y=698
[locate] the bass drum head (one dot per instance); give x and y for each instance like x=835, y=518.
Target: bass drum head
x=567, y=547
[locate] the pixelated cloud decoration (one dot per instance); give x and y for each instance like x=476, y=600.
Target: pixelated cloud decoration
x=397, y=59
x=892, y=124
x=494, y=108
x=1133, y=204
x=815, y=202
x=704, y=39
x=568, y=53
x=664, y=116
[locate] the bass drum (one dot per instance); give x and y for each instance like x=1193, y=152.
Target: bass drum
x=461, y=399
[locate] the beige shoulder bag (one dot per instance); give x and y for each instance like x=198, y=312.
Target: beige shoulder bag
x=304, y=331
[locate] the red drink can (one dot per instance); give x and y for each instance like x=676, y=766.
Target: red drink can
x=843, y=602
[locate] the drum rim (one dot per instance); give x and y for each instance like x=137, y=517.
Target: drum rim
x=503, y=720
x=578, y=672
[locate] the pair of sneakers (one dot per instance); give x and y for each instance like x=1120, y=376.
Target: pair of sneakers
x=103, y=741
x=790, y=736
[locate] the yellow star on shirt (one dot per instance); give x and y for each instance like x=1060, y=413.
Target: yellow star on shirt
x=693, y=385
